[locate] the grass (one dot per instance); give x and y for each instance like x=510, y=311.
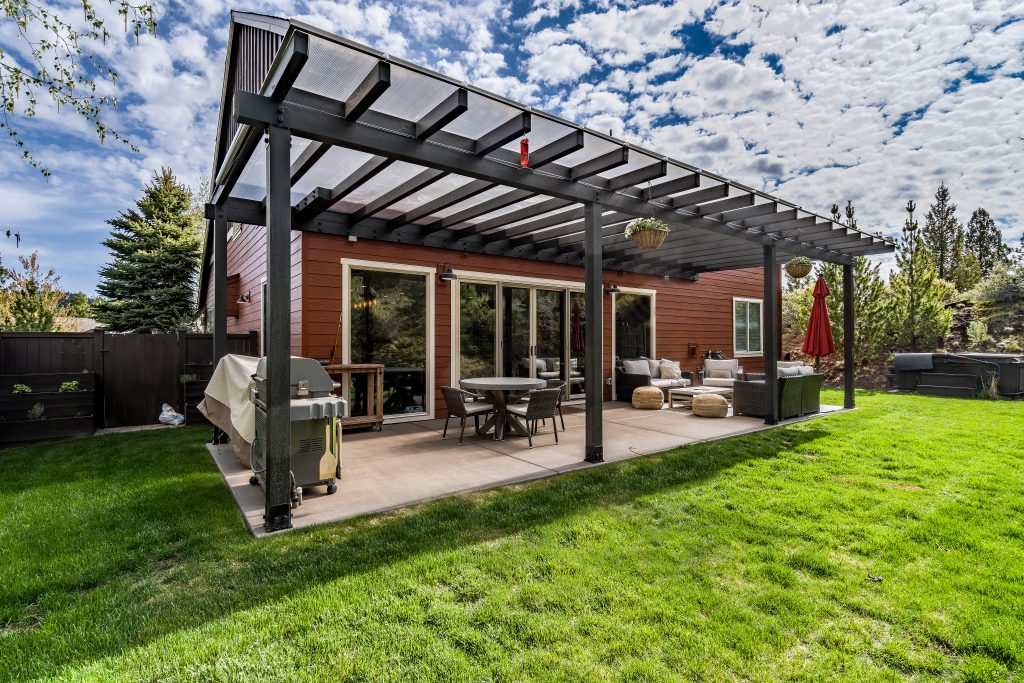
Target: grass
x=124, y=558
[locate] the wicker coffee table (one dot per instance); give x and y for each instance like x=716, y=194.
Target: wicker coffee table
x=685, y=395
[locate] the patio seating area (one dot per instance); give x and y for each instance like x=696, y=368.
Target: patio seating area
x=410, y=463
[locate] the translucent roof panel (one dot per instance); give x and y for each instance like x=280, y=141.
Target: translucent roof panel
x=484, y=114
x=388, y=179
x=333, y=167
x=411, y=94
x=435, y=190
x=475, y=201
x=333, y=70
x=252, y=184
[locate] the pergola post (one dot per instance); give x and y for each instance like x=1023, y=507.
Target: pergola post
x=848, y=339
x=278, y=514
x=770, y=334
x=220, y=294
x=594, y=316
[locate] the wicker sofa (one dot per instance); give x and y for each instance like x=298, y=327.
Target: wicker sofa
x=798, y=395
x=644, y=372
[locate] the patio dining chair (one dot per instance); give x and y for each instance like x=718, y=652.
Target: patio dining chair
x=456, y=402
x=543, y=404
x=560, y=385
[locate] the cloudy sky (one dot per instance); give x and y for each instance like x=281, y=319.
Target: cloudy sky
x=873, y=101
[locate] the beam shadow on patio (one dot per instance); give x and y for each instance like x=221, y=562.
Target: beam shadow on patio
x=409, y=463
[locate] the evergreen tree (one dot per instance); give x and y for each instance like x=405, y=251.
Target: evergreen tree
x=985, y=241
x=868, y=296
x=31, y=300
x=149, y=283
x=917, y=309
x=941, y=232
x=966, y=271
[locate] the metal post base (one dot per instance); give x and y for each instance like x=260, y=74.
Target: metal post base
x=594, y=454
x=278, y=518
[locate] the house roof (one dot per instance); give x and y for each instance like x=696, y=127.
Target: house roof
x=386, y=149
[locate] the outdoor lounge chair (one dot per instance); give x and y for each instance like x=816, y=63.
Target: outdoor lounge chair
x=456, y=401
x=751, y=397
x=543, y=404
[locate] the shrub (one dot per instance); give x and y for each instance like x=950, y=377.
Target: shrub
x=21, y=389
x=66, y=387
x=1004, y=285
x=977, y=332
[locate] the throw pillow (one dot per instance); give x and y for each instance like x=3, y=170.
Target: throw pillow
x=720, y=374
x=636, y=367
x=654, y=365
x=669, y=371
x=788, y=372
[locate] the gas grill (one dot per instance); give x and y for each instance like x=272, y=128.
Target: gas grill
x=315, y=441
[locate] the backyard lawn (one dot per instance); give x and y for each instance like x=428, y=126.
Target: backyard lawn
x=124, y=558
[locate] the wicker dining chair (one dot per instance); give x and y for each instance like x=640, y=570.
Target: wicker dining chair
x=560, y=385
x=543, y=404
x=456, y=401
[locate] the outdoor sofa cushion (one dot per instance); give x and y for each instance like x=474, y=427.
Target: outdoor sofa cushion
x=720, y=374
x=636, y=367
x=789, y=372
x=671, y=383
x=719, y=381
x=730, y=364
x=805, y=370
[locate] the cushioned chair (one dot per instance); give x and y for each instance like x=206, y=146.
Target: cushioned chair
x=714, y=367
x=543, y=404
x=645, y=372
x=751, y=397
x=456, y=402
x=560, y=385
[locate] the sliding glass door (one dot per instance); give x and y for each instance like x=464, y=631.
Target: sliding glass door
x=632, y=314
x=539, y=332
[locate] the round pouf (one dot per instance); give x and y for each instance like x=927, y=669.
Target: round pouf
x=648, y=398
x=710, y=405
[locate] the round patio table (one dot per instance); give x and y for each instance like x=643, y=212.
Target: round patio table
x=503, y=391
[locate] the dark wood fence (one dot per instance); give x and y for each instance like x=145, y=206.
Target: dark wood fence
x=134, y=373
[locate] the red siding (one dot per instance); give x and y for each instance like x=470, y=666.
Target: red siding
x=685, y=312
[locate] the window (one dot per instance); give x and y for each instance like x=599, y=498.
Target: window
x=746, y=324
x=633, y=314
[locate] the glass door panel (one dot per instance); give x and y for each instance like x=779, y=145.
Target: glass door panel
x=549, y=318
x=632, y=325
x=477, y=319
x=577, y=345
x=388, y=325
x=516, y=359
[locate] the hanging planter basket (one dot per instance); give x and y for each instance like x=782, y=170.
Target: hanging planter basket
x=799, y=267
x=647, y=233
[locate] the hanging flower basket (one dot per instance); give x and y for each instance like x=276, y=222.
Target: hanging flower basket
x=647, y=233
x=798, y=267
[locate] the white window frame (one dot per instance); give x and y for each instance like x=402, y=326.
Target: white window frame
x=760, y=308
x=346, y=329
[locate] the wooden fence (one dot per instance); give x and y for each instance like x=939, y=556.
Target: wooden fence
x=132, y=375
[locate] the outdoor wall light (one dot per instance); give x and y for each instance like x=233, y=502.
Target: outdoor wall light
x=612, y=289
x=447, y=275
x=244, y=299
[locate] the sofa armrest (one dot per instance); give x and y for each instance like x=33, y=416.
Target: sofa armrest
x=626, y=382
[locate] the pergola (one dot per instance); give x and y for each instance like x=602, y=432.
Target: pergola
x=363, y=145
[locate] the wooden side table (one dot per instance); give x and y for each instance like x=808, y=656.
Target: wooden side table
x=375, y=389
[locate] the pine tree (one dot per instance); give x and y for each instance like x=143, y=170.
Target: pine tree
x=149, y=283
x=941, y=232
x=917, y=309
x=966, y=271
x=31, y=300
x=868, y=296
x=985, y=241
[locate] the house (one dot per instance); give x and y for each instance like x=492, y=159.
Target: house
x=447, y=232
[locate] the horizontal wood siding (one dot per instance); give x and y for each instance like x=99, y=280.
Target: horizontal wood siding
x=247, y=258
x=686, y=312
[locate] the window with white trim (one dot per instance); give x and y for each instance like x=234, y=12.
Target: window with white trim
x=746, y=326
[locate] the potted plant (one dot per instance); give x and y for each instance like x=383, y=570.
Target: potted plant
x=647, y=233
x=798, y=267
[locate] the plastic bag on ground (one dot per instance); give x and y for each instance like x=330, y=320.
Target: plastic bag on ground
x=169, y=416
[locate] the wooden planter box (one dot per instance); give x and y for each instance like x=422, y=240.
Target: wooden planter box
x=65, y=414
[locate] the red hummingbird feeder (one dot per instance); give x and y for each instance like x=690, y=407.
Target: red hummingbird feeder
x=524, y=152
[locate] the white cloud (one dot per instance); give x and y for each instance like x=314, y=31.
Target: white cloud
x=560, y=63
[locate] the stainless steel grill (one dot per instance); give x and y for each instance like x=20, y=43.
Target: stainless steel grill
x=315, y=443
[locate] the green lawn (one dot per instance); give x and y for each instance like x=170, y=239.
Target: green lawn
x=124, y=558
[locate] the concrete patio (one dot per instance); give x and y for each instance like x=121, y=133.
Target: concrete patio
x=409, y=463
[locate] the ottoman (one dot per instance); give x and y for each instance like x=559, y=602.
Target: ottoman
x=648, y=398
x=710, y=405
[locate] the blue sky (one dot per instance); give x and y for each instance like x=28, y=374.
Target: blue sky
x=818, y=102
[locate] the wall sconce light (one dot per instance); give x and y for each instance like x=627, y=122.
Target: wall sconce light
x=612, y=289
x=447, y=275
x=244, y=299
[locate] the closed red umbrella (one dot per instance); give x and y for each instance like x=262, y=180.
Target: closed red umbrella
x=819, y=342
